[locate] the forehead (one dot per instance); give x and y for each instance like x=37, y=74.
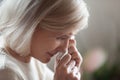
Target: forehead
x=71, y=31
x=57, y=33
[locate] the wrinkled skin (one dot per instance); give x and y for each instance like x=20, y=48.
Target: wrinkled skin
x=46, y=44
x=68, y=68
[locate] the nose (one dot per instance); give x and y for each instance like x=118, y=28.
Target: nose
x=64, y=46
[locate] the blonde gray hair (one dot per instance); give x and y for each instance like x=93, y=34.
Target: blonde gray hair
x=19, y=18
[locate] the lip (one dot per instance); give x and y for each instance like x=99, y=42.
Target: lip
x=51, y=55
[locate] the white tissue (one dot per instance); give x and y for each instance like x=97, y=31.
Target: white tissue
x=60, y=55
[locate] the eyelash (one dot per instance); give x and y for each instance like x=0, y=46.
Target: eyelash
x=60, y=38
x=64, y=38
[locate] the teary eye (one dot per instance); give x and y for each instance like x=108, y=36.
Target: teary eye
x=61, y=38
x=65, y=37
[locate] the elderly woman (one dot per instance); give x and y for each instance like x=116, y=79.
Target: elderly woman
x=33, y=31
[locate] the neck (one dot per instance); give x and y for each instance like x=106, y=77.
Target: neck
x=25, y=59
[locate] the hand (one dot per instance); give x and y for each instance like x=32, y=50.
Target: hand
x=68, y=67
x=73, y=51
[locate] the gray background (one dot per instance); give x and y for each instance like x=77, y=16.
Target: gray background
x=103, y=29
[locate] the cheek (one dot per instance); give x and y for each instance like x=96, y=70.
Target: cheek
x=35, y=45
x=52, y=45
x=43, y=46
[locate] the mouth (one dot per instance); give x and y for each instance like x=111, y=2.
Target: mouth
x=51, y=55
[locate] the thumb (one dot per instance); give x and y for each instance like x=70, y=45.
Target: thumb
x=57, y=59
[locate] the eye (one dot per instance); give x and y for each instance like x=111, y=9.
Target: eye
x=61, y=38
x=64, y=37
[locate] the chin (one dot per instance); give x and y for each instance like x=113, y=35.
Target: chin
x=45, y=61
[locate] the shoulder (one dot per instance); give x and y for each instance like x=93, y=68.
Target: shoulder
x=49, y=73
x=9, y=74
x=2, y=59
x=6, y=72
x=44, y=70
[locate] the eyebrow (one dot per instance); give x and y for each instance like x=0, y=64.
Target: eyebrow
x=68, y=36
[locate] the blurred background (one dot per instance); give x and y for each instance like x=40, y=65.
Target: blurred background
x=99, y=44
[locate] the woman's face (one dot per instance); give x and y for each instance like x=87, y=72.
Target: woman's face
x=45, y=44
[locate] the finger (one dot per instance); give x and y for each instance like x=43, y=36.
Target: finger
x=59, y=56
x=65, y=60
x=72, y=42
x=72, y=49
x=71, y=65
x=78, y=75
x=75, y=55
x=76, y=72
x=78, y=58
